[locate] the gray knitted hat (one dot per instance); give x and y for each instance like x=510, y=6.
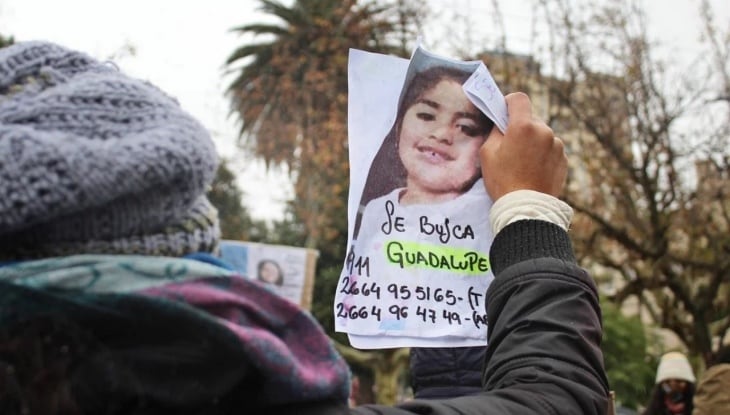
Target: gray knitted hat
x=93, y=161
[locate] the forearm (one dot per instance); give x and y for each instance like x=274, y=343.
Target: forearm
x=544, y=352
x=546, y=341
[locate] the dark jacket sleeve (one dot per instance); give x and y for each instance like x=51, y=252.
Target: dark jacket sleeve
x=446, y=372
x=544, y=353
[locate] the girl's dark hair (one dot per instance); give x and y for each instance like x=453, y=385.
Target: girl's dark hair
x=425, y=80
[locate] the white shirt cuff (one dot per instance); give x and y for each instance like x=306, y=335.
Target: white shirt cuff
x=529, y=204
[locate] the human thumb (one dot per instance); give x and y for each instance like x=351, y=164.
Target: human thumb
x=487, y=157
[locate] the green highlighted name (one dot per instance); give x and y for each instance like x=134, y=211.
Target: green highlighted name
x=411, y=254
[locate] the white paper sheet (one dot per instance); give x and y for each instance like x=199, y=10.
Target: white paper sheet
x=417, y=268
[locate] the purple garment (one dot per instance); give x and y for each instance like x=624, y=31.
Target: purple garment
x=297, y=360
x=163, y=334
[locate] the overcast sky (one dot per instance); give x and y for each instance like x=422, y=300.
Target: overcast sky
x=181, y=45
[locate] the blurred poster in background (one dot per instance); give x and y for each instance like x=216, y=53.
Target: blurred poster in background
x=287, y=270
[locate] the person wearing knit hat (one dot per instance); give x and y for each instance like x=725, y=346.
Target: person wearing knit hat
x=674, y=365
x=92, y=161
x=674, y=386
x=111, y=297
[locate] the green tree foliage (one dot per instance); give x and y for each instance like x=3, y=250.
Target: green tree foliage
x=629, y=368
x=226, y=196
x=6, y=41
x=649, y=145
x=388, y=366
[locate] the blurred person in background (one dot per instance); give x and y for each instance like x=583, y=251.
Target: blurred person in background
x=674, y=387
x=713, y=389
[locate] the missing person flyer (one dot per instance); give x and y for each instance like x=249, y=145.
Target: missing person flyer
x=417, y=268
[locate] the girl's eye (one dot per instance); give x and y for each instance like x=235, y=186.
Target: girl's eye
x=468, y=130
x=425, y=116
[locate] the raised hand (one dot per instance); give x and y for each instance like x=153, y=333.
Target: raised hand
x=528, y=156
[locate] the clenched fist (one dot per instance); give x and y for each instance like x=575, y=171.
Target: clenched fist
x=528, y=156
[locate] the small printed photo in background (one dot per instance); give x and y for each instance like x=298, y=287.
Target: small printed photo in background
x=288, y=271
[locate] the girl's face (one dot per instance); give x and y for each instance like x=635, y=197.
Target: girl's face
x=269, y=273
x=439, y=141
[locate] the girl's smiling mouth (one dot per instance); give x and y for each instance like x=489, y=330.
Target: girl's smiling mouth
x=434, y=154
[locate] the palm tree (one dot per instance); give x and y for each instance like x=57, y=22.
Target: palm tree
x=290, y=95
